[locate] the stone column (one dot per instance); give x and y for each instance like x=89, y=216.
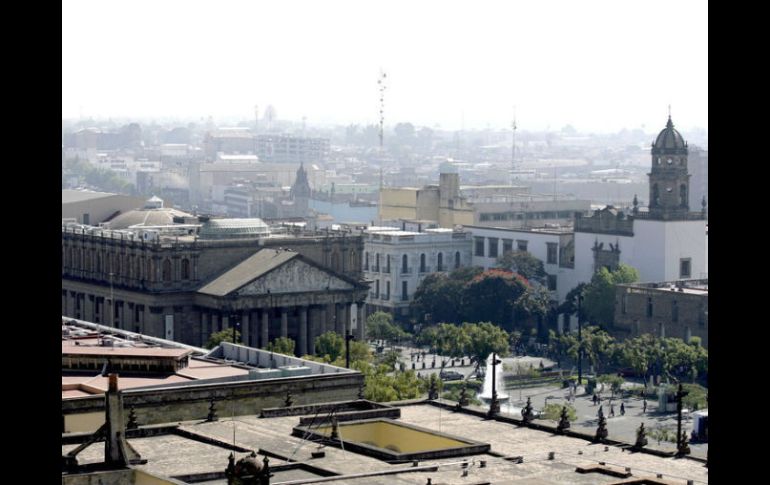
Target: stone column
x=245, y=331
x=125, y=316
x=361, y=331
x=225, y=321
x=88, y=310
x=214, y=323
x=328, y=319
x=315, y=327
x=204, y=334
x=302, y=340
x=284, y=322
x=339, y=324
x=71, y=303
x=264, y=328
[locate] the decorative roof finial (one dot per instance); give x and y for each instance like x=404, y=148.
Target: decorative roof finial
x=669, y=124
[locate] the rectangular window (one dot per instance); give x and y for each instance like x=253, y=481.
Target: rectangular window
x=404, y=294
x=377, y=288
x=553, y=249
x=479, y=246
x=521, y=245
x=507, y=245
x=87, y=219
x=552, y=282
x=492, y=247
x=387, y=290
x=684, y=268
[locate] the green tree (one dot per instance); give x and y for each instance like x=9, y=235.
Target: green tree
x=330, y=345
x=599, y=295
x=492, y=295
x=552, y=412
x=483, y=340
x=282, y=345
x=225, y=335
x=438, y=297
x=613, y=381
x=523, y=263
x=380, y=326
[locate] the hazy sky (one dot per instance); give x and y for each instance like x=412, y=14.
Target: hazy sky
x=598, y=65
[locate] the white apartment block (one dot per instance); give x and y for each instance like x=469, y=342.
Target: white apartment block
x=396, y=262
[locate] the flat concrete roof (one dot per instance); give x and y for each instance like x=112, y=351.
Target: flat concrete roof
x=165, y=456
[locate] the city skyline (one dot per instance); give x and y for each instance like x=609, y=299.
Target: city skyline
x=601, y=67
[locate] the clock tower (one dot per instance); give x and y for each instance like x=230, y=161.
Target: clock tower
x=669, y=180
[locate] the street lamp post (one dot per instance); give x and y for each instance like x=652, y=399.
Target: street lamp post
x=580, y=342
x=680, y=393
x=348, y=338
x=494, y=405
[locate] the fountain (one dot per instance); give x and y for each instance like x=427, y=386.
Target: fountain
x=486, y=391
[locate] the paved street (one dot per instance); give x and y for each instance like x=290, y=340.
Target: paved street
x=622, y=428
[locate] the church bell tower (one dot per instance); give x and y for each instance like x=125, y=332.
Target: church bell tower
x=669, y=180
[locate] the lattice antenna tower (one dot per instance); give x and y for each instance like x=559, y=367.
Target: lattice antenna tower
x=381, y=88
x=513, y=146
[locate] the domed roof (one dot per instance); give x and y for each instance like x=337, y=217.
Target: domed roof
x=147, y=217
x=232, y=228
x=669, y=139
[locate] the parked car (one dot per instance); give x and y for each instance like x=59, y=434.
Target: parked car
x=451, y=375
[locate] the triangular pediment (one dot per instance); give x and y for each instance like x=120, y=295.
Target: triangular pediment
x=294, y=276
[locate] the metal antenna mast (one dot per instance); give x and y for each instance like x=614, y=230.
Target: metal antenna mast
x=381, y=87
x=513, y=147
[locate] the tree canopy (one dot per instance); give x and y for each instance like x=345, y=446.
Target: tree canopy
x=225, y=335
x=599, y=294
x=282, y=345
x=523, y=263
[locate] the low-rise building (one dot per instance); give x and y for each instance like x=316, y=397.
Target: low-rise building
x=666, y=309
x=396, y=261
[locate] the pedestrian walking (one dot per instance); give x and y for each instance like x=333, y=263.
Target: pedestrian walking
x=644, y=406
x=601, y=412
x=622, y=409
x=612, y=410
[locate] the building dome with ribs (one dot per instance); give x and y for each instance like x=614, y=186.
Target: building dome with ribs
x=669, y=141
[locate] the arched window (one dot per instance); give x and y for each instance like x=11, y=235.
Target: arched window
x=335, y=261
x=377, y=262
x=655, y=195
x=185, y=269
x=353, y=261
x=366, y=261
x=683, y=195
x=404, y=267
x=457, y=259
x=422, y=263
x=440, y=262
x=99, y=262
x=166, y=268
x=387, y=263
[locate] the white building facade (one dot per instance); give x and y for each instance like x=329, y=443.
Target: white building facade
x=396, y=261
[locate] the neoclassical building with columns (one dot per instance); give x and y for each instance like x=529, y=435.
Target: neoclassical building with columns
x=186, y=279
